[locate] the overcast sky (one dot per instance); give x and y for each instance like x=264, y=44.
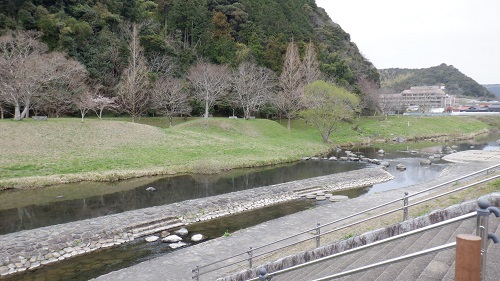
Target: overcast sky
x=424, y=33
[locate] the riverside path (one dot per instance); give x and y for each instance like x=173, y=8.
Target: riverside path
x=178, y=265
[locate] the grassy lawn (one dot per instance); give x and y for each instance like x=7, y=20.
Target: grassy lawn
x=107, y=150
x=35, y=153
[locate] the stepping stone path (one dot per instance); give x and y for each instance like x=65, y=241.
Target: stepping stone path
x=338, y=198
x=177, y=245
x=50, y=244
x=171, y=239
x=321, y=196
x=151, y=238
x=197, y=238
x=182, y=232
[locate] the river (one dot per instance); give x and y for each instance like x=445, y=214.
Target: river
x=21, y=210
x=29, y=209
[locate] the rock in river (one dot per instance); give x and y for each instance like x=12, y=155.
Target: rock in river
x=425, y=162
x=182, y=232
x=337, y=198
x=152, y=238
x=177, y=245
x=197, y=238
x=171, y=239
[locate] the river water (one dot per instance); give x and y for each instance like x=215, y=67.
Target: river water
x=21, y=210
x=29, y=209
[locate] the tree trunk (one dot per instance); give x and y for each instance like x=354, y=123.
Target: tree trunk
x=26, y=111
x=206, y=109
x=170, y=120
x=247, y=112
x=17, y=112
x=289, y=125
x=1, y=112
x=133, y=118
x=326, y=137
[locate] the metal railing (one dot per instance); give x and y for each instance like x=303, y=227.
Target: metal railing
x=367, y=246
x=250, y=254
x=390, y=261
x=482, y=227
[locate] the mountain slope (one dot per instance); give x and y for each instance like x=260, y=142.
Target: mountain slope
x=494, y=88
x=222, y=31
x=456, y=83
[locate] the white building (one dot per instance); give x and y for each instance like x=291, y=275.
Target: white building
x=427, y=97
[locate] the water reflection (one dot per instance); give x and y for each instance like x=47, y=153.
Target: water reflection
x=57, y=209
x=104, y=261
x=414, y=174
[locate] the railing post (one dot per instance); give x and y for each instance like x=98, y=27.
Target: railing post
x=250, y=254
x=405, y=209
x=482, y=228
x=263, y=274
x=468, y=258
x=482, y=231
x=318, y=235
x=196, y=272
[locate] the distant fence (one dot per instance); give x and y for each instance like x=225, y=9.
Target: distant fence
x=451, y=114
x=474, y=113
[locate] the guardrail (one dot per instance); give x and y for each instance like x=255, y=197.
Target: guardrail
x=482, y=215
x=250, y=254
x=367, y=246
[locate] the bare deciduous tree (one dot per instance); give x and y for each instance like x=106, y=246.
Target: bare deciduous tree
x=56, y=98
x=162, y=64
x=252, y=87
x=291, y=81
x=311, y=64
x=210, y=82
x=170, y=97
x=133, y=95
x=26, y=67
x=425, y=103
x=389, y=101
x=371, y=93
x=101, y=103
x=2, y=102
x=85, y=101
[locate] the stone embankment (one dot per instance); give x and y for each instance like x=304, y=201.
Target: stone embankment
x=30, y=249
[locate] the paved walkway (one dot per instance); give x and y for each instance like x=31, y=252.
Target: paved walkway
x=475, y=156
x=179, y=264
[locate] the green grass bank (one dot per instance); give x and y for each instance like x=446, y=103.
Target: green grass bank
x=39, y=153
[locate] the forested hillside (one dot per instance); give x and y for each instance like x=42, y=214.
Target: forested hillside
x=456, y=83
x=223, y=31
x=494, y=88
